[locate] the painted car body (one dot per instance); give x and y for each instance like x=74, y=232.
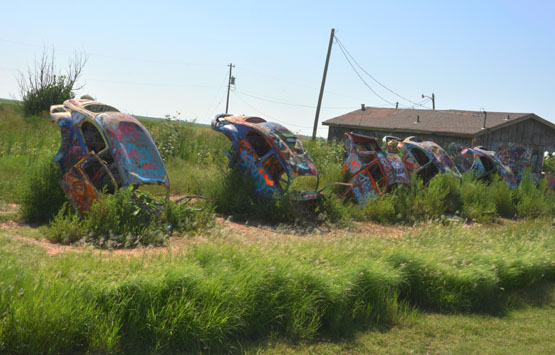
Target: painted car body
x=483, y=163
x=103, y=150
x=424, y=158
x=369, y=170
x=268, y=154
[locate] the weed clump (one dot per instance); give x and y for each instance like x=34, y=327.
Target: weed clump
x=127, y=219
x=41, y=196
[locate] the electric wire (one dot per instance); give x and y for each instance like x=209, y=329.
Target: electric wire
x=210, y=112
x=288, y=103
x=362, y=79
x=266, y=115
x=347, y=53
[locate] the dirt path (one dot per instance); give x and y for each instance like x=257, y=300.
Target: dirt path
x=223, y=229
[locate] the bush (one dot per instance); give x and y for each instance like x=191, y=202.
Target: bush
x=234, y=196
x=127, y=219
x=40, y=99
x=45, y=85
x=41, y=196
x=477, y=204
x=66, y=227
x=503, y=196
x=533, y=200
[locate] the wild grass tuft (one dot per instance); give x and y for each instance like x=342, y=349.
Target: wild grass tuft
x=41, y=196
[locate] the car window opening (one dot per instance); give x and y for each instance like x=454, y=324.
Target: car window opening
x=428, y=172
x=377, y=175
x=98, y=175
x=258, y=143
x=255, y=120
x=420, y=156
x=97, y=108
x=487, y=163
x=108, y=159
x=273, y=166
x=93, y=138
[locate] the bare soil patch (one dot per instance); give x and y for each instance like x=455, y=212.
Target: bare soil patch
x=226, y=229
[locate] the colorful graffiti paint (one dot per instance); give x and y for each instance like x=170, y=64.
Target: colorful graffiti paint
x=483, y=163
x=266, y=153
x=103, y=150
x=369, y=170
x=425, y=158
x=517, y=158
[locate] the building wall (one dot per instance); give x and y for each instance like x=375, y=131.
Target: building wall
x=527, y=140
x=337, y=133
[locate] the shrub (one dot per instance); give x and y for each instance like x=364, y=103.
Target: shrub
x=66, y=227
x=502, y=195
x=44, y=85
x=441, y=196
x=41, y=196
x=127, y=219
x=477, y=204
x=533, y=200
x=234, y=196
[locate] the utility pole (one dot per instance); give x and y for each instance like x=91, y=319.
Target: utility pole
x=230, y=65
x=433, y=97
x=322, y=87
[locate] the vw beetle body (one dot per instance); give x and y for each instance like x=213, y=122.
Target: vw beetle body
x=268, y=154
x=103, y=150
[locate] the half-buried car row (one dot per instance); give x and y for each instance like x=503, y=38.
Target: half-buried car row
x=103, y=150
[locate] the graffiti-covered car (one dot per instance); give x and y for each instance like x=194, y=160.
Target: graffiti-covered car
x=103, y=150
x=369, y=170
x=483, y=163
x=424, y=158
x=268, y=154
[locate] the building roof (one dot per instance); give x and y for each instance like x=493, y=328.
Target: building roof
x=449, y=122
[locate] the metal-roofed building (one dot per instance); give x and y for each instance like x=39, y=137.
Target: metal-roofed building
x=515, y=136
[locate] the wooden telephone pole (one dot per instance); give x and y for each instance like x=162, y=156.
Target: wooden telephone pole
x=230, y=65
x=322, y=87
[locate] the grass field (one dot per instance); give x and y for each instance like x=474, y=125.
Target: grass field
x=429, y=284
x=229, y=288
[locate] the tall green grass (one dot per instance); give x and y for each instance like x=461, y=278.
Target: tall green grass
x=216, y=294
x=469, y=199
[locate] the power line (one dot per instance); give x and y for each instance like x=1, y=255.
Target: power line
x=362, y=79
x=347, y=53
x=277, y=101
x=266, y=115
x=213, y=106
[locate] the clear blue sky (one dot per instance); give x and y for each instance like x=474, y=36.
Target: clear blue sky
x=159, y=57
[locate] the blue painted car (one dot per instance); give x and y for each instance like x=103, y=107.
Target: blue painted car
x=268, y=154
x=103, y=150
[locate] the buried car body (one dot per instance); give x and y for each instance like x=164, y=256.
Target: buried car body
x=483, y=163
x=424, y=158
x=103, y=150
x=369, y=170
x=267, y=153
